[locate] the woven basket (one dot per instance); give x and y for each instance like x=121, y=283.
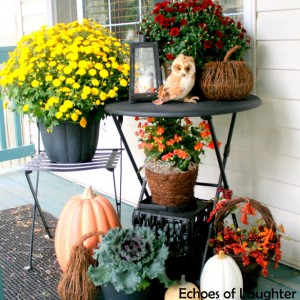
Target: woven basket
x=251, y=272
x=226, y=80
x=171, y=189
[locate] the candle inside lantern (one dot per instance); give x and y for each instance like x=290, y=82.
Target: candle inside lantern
x=145, y=83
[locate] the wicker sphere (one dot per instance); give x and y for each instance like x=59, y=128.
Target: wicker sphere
x=226, y=80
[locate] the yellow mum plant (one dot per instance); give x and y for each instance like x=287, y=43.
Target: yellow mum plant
x=66, y=73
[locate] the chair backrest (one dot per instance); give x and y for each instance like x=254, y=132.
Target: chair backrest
x=1, y=286
x=11, y=131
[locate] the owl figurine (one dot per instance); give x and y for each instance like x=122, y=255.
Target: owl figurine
x=180, y=82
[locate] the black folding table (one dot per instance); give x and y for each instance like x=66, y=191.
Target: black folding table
x=203, y=109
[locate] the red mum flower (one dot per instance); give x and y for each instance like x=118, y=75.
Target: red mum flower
x=170, y=56
x=174, y=31
x=165, y=24
x=219, y=34
x=207, y=44
x=183, y=22
x=219, y=44
x=159, y=19
x=169, y=9
x=172, y=20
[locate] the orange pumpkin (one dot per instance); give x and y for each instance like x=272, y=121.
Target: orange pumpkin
x=83, y=214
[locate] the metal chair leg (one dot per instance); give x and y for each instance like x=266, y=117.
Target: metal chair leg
x=35, y=206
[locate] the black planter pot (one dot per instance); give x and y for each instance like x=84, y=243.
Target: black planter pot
x=70, y=143
x=109, y=293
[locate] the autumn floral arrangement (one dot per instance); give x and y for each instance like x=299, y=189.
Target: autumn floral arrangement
x=173, y=141
x=195, y=28
x=257, y=243
x=67, y=72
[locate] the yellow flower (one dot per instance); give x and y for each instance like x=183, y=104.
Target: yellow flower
x=68, y=104
x=49, y=78
x=112, y=93
x=106, y=49
x=86, y=90
x=76, y=85
x=63, y=108
x=73, y=64
x=95, y=82
x=58, y=115
x=95, y=91
x=67, y=70
x=56, y=82
x=81, y=72
x=126, y=67
x=73, y=56
x=70, y=80
x=83, y=122
x=123, y=82
x=25, y=107
x=35, y=83
x=82, y=64
x=115, y=65
x=99, y=66
x=103, y=96
x=92, y=72
x=41, y=64
x=103, y=73
x=74, y=117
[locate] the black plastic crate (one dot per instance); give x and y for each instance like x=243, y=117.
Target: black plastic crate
x=186, y=233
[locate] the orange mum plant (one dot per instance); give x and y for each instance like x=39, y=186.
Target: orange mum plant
x=174, y=140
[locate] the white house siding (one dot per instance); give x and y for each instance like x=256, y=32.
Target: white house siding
x=278, y=81
x=34, y=15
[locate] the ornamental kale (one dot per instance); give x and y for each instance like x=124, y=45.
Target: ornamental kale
x=129, y=258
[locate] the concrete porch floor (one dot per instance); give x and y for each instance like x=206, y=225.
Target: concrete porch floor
x=54, y=191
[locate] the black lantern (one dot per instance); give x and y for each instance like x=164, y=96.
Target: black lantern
x=145, y=73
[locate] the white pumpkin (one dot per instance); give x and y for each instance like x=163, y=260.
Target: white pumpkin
x=221, y=278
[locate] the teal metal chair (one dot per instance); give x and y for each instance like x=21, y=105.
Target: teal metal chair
x=1, y=286
x=20, y=150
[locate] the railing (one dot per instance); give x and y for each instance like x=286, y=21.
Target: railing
x=12, y=144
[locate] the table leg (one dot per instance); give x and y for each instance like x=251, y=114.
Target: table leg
x=35, y=206
x=126, y=146
x=223, y=177
x=222, y=165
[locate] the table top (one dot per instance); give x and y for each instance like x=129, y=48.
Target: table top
x=174, y=109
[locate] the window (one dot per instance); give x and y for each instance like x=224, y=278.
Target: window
x=122, y=16
x=66, y=11
x=233, y=8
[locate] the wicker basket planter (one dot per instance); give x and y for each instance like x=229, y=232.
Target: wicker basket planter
x=171, y=189
x=226, y=80
x=252, y=271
